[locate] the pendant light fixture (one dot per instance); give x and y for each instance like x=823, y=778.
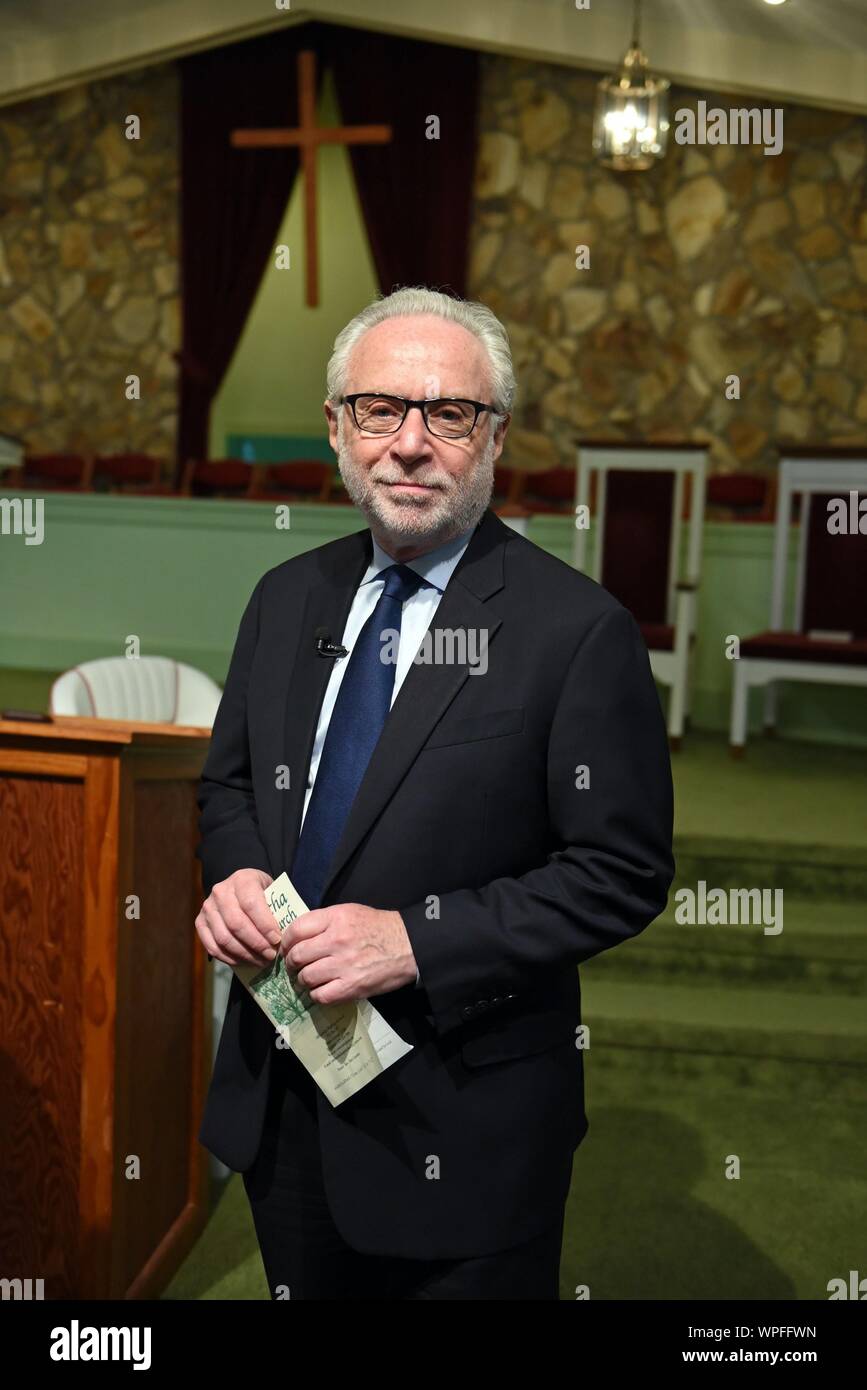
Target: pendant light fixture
x=630, y=122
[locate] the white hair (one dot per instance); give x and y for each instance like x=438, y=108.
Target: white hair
x=476, y=318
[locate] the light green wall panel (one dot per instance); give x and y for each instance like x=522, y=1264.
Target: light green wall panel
x=175, y=572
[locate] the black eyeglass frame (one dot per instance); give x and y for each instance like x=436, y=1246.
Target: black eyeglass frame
x=478, y=406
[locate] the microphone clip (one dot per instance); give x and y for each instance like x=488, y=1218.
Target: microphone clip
x=325, y=647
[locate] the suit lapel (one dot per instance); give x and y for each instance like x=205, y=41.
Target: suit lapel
x=326, y=604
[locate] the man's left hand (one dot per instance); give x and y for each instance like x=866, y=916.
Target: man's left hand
x=349, y=952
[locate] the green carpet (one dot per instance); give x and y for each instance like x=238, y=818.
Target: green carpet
x=226, y=1262
x=652, y=1215
x=795, y=793
x=708, y=1042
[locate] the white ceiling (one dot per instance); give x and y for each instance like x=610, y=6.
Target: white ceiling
x=826, y=23
x=813, y=51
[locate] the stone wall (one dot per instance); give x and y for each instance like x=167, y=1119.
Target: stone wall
x=722, y=260
x=89, y=266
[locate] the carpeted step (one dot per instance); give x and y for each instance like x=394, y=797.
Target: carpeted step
x=822, y=950
x=757, y=1038
x=828, y=873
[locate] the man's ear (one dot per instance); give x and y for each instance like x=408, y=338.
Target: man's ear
x=332, y=418
x=500, y=434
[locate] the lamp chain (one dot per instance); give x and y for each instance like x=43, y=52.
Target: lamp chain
x=636, y=23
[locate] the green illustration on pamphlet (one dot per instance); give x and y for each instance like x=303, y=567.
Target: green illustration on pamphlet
x=285, y=1002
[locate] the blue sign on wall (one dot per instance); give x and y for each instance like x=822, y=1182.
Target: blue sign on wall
x=279, y=448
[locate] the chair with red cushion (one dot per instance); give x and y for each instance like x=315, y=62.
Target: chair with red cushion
x=740, y=496
x=552, y=491
x=56, y=472
x=640, y=499
x=136, y=473
x=302, y=480
x=220, y=478
x=508, y=485
x=823, y=638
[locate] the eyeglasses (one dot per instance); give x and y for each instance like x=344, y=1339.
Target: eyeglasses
x=447, y=418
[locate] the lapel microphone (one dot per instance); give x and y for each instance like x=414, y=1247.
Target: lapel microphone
x=324, y=645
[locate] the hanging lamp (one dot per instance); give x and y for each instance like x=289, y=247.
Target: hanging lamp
x=630, y=121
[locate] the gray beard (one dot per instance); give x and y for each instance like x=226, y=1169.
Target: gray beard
x=459, y=505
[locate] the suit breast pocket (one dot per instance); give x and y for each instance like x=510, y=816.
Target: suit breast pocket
x=523, y=1036
x=473, y=728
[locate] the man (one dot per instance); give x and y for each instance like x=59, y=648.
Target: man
x=466, y=828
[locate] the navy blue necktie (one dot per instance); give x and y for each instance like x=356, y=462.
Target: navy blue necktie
x=360, y=710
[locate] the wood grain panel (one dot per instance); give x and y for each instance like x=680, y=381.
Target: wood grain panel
x=104, y=1044
x=156, y=966
x=98, y=1022
x=41, y=927
x=43, y=764
x=80, y=729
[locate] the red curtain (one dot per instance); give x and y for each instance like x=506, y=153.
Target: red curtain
x=415, y=193
x=232, y=204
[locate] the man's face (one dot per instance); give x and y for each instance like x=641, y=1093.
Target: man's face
x=415, y=488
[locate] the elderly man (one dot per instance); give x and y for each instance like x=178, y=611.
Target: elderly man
x=465, y=832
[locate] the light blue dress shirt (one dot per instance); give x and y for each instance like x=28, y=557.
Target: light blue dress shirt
x=436, y=568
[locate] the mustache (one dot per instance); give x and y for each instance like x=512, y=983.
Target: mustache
x=433, y=480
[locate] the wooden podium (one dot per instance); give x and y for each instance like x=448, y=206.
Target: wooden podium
x=104, y=1014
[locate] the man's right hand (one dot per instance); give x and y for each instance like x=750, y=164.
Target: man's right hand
x=235, y=924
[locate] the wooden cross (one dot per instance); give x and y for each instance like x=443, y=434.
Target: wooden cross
x=308, y=135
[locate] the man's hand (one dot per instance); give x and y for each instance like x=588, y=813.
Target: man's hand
x=236, y=924
x=349, y=952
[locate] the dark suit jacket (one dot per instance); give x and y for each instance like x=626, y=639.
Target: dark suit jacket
x=468, y=821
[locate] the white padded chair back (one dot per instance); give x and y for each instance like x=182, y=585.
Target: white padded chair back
x=153, y=689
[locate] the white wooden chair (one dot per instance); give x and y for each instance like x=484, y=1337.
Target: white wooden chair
x=637, y=552
x=155, y=689
x=821, y=635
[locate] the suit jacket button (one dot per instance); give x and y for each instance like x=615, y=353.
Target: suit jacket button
x=468, y=1010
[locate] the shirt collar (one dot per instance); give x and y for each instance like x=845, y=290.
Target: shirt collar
x=435, y=567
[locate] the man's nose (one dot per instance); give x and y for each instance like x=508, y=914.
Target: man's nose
x=413, y=435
